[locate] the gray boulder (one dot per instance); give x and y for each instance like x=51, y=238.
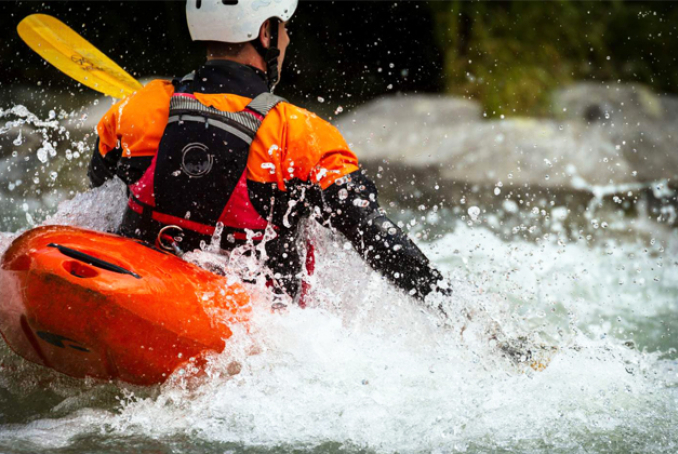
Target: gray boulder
x=598, y=102
x=632, y=117
x=407, y=128
x=410, y=132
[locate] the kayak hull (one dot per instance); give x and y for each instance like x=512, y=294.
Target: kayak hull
x=86, y=303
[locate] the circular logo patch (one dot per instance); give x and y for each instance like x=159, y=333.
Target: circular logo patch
x=196, y=160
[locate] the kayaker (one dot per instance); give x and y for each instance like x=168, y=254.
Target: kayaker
x=217, y=148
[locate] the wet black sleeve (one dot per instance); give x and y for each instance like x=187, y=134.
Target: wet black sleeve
x=102, y=169
x=355, y=212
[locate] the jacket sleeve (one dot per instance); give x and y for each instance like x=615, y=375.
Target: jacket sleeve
x=102, y=168
x=355, y=212
x=107, y=152
x=321, y=159
x=129, y=134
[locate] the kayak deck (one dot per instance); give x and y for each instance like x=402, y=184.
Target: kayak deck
x=87, y=303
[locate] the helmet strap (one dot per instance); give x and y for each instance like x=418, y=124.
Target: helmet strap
x=271, y=54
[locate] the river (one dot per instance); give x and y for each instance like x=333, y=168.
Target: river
x=365, y=368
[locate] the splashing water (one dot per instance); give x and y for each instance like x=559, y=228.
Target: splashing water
x=365, y=367
x=370, y=368
x=33, y=174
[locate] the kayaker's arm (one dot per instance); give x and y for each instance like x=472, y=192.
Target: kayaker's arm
x=356, y=214
x=102, y=168
x=112, y=155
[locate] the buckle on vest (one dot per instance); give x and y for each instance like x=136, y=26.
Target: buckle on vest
x=165, y=240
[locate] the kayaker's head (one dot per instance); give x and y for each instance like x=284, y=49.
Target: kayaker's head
x=251, y=32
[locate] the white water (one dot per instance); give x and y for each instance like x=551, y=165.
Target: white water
x=366, y=367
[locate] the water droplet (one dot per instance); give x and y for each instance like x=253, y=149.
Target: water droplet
x=19, y=140
x=42, y=155
x=474, y=212
x=273, y=149
x=268, y=165
x=360, y=203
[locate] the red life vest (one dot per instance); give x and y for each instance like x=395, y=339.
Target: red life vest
x=198, y=176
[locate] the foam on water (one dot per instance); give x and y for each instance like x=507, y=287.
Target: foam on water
x=367, y=367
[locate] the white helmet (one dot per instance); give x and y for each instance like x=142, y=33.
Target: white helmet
x=234, y=21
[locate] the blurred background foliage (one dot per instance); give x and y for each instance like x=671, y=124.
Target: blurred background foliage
x=508, y=55
x=342, y=53
x=511, y=55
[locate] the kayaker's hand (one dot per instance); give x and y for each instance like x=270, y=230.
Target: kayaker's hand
x=444, y=287
x=439, y=299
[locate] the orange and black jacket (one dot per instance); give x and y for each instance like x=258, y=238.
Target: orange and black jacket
x=216, y=149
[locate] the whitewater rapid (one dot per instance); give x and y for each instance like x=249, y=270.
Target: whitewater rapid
x=365, y=367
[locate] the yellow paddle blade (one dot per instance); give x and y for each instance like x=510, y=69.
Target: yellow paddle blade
x=69, y=52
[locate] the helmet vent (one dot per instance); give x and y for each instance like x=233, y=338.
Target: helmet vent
x=198, y=4
x=229, y=2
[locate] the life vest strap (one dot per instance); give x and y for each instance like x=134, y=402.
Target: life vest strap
x=233, y=127
x=153, y=219
x=264, y=103
x=186, y=106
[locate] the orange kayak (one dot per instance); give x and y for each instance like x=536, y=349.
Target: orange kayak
x=92, y=304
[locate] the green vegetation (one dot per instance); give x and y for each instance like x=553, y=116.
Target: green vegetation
x=508, y=55
x=511, y=55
